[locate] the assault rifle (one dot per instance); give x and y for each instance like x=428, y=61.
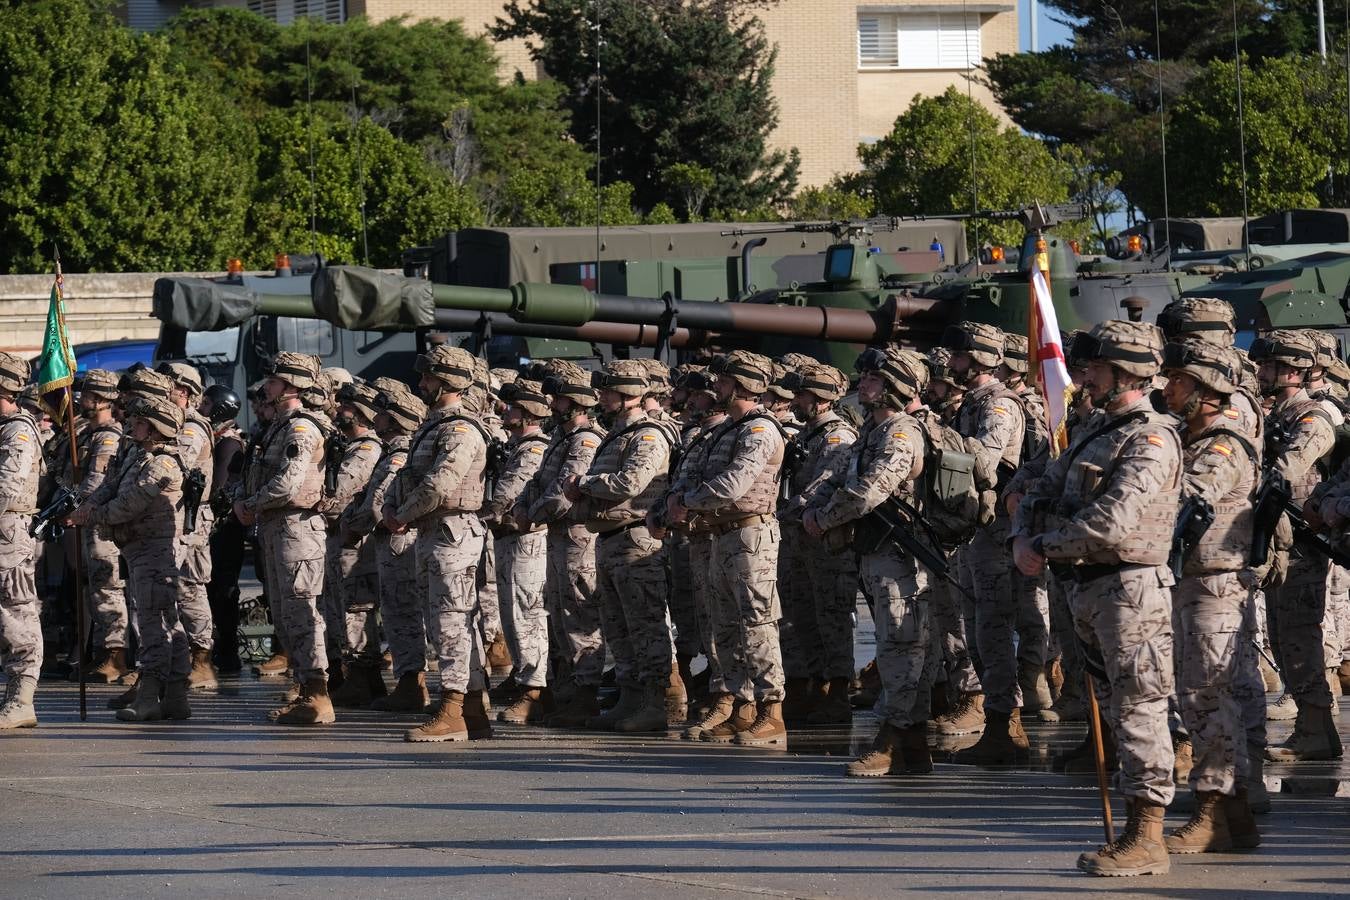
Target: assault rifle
x=1275, y=498
x=332, y=460
x=1196, y=515
x=497, y=456
x=194, y=485
x=901, y=524
x=46, y=525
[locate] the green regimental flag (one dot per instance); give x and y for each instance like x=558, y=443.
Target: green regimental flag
x=56, y=367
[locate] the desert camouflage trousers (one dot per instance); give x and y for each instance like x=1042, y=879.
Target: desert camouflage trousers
x=157, y=584
x=1125, y=618
x=1298, y=607
x=522, y=566
x=701, y=575
x=573, y=608
x=819, y=587
x=489, y=601
x=631, y=585
x=402, y=607
x=989, y=567
x=746, y=609
x=945, y=608
x=20, y=628
x=194, y=552
x=293, y=550
x=683, y=616
x=107, y=597
x=1207, y=620
x=448, y=552
x=352, y=582
x=908, y=654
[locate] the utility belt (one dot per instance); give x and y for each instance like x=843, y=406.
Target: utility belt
x=622, y=529
x=1086, y=573
x=722, y=528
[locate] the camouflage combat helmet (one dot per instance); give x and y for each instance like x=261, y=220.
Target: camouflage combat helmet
x=796, y=360
x=777, y=388
x=501, y=377
x=336, y=377
x=750, y=371
x=161, y=414
x=145, y=382
x=384, y=384
x=628, y=377
x=299, y=370
x=939, y=361
x=528, y=396
x=1131, y=347
x=563, y=378
x=14, y=372
x=1207, y=319
x=1289, y=346
x=904, y=372
x=822, y=381
x=1072, y=341
x=30, y=399
x=360, y=397
x=1217, y=368
x=1015, y=352
x=403, y=408
x=1329, y=355
x=184, y=376
x=452, y=365
x=981, y=341
x=100, y=383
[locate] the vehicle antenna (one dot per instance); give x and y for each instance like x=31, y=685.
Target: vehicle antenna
x=1162, y=128
x=599, y=42
x=309, y=135
x=1242, y=137
x=355, y=119
x=970, y=123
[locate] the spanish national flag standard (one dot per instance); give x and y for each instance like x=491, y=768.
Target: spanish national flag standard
x=56, y=367
x=1046, y=352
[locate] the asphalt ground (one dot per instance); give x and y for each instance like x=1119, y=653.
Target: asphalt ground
x=229, y=805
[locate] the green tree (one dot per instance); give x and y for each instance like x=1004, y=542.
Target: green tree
x=681, y=82
x=924, y=166
x=832, y=202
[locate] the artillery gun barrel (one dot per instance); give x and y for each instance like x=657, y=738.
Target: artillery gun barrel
x=593, y=332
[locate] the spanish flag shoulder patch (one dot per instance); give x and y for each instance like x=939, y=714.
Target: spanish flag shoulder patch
x=1001, y=410
x=1155, y=440
x=586, y=443
x=648, y=437
x=834, y=439
x=460, y=429
x=1231, y=413
x=1307, y=420
x=300, y=428
x=900, y=434
x=1221, y=448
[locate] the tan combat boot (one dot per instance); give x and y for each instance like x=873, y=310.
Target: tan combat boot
x=630, y=700
x=834, y=708
x=1183, y=760
x=478, y=715
x=886, y=757
x=675, y=697
x=1139, y=851
x=1283, y=709
x=1269, y=676
x=743, y=715
x=1315, y=737
x=1207, y=830
x=447, y=724
x=533, y=705
x=17, y=711
x=508, y=690
x=175, y=703
x=312, y=707
x=409, y=695
x=1258, y=798
x=146, y=706
x=275, y=667
x=651, y=716
x=1054, y=674
x=939, y=703
x=1237, y=811
x=364, y=683
x=1343, y=675
x=583, y=706
x=111, y=669
x=1001, y=744
x=869, y=687
x=769, y=729
x=1068, y=706
x=966, y=718
x=1035, y=691
x=499, y=656
x=719, y=710
x=1334, y=684
x=203, y=676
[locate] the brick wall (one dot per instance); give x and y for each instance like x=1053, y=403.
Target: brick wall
x=476, y=15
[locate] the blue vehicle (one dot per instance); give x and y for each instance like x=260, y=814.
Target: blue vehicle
x=113, y=355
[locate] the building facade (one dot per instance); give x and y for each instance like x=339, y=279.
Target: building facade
x=845, y=70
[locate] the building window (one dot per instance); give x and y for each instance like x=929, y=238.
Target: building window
x=285, y=12
x=918, y=41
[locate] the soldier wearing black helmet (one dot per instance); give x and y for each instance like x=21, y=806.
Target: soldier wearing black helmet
x=220, y=406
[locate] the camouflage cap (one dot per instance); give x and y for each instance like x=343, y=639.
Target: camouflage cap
x=623, y=376
x=184, y=375
x=404, y=408
x=1217, y=368
x=299, y=370
x=145, y=382
x=14, y=372
x=1015, y=352
x=982, y=341
x=1207, y=319
x=100, y=383
x=1289, y=346
x=751, y=371
x=360, y=397
x=528, y=396
x=818, y=379
x=1133, y=347
x=453, y=365
x=160, y=413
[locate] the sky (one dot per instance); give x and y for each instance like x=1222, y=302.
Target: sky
x=1048, y=32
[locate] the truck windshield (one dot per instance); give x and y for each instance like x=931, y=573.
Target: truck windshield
x=214, y=346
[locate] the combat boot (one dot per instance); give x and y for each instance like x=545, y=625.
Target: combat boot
x=651, y=716
x=359, y=689
x=447, y=724
x=409, y=695
x=743, y=715
x=17, y=710
x=1139, y=851
x=275, y=667
x=509, y=689
x=966, y=718
x=1334, y=684
x=1258, y=798
x=630, y=699
x=111, y=669
x=1035, y=690
x=146, y=707
x=939, y=703
x=499, y=655
x=203, y=676
x=799, y=702
x=1237, y=811
x=582, y=706
x=1343, y=675
x=834, y=707
x=1069, y=706
x=1082, y=759
x=1054, y=674
x=1183, y=760
x=532, y=706
x=674, y=696
x=719, y=710
x=684, y=666
x=1269, y=676
x=1283, y=709
x=127, y=697
x=175, y=703
x=1001, y=744
x=1207, y=830
x=768, y=727
x=477, y=717
x=869, y=687
x=313, y=707
x=914, y=746
x=1315, y=737
x=886, y=756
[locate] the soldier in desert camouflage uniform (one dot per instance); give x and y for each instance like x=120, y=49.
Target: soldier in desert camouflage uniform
x=20, y=629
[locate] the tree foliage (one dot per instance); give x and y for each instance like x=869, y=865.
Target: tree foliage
x=682, y=82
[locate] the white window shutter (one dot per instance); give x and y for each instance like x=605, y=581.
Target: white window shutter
x=876, y=42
